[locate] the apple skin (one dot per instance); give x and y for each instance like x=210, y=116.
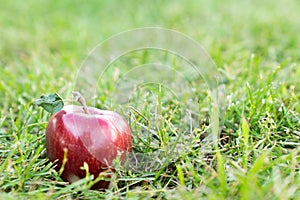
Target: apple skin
x=97, y=138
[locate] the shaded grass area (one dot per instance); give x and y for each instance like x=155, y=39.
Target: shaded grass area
x=253, y=43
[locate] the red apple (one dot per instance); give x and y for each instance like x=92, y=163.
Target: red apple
x=89, y=135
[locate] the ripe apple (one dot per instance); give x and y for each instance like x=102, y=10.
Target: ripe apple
x=87, y=135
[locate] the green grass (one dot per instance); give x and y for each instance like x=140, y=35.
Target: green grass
x=255, y=45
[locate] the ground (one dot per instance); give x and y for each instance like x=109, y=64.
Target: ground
x=254, y=48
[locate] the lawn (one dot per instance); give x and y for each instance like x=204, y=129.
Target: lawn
x=45, y=47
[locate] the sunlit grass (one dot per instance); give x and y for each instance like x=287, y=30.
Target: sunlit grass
x=42, y=46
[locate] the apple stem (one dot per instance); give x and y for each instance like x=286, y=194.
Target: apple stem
x=78, y=97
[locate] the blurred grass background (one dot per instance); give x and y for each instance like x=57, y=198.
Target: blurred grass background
x=60, y=34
